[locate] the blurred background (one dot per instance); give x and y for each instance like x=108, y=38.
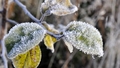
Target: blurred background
x=103, y=14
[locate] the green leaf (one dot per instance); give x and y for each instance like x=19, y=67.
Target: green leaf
x=49, y=42
x=22, y=38
x=30, y=59
x=84, y=37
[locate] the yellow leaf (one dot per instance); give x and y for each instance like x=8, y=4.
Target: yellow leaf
x=65, y=2
x=30, y=59
x=49, y=42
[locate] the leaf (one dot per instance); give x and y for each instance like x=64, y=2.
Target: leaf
x=69, y=46
x=62, y=10
x=49, y=42
x=65, y=2
x=22, y=38
x=59, y=7
x=84, y=37
x=30, y=59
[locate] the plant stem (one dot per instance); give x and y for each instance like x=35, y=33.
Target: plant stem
x=57, y=36
x=12, y=21
x=35, y=19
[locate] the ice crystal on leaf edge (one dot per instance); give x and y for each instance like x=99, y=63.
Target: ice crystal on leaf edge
x=23, y=37
x=84, y=37
x=59, y=7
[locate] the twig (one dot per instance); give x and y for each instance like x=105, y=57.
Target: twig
x=42, y=17
x=68, y=60
x=3, y=55
x=26, y=11
x=57, y=36
x=47, y=13
x=33, y=18
x=53, y=57
x=12, y=21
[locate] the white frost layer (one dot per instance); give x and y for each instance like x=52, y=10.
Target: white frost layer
x=27, y=35
x=59, y=7
x=84, y=37
x=62, y=10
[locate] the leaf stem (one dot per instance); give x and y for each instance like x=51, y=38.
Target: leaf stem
x=12, y=21
x=58, y=36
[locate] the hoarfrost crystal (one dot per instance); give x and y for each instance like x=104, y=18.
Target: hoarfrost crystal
x=22, y=38
x=62, y=10
x=59, y=7
x=84, y=37
x=47, y=3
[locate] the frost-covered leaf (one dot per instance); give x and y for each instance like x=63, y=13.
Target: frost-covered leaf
x=61, y=10
x=49, y=42
x=60, y=7
x=46, y=5
x=22, y=38
x=30, y=59
x=69, y=46
x=84, y=37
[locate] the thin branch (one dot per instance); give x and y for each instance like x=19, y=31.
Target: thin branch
x=47, y=13
x=26, y=11
x=54, y=55
x=35, y=19
x=42, y=17
x=57, y=36
x=68, y=60
x=12, y=21
x=3, y=55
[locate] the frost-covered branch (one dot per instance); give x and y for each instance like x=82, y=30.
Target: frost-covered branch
x=33, y=18
x=57, y=36
x=53, y=57
x=3, y=55
x=12, y=21
x=68, y=59
x=26, y=11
